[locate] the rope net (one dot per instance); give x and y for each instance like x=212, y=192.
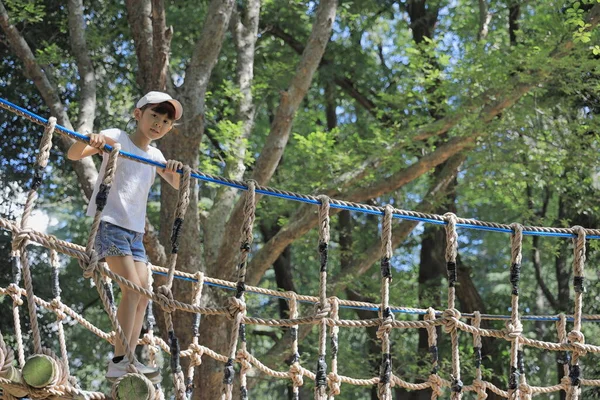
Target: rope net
x=324, y=315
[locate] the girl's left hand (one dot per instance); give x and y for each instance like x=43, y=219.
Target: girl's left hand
x=173, y=166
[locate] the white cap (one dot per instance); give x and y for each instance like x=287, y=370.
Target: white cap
x=160, y=97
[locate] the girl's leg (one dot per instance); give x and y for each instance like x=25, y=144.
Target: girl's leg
x=125, y=266
x=142, y=273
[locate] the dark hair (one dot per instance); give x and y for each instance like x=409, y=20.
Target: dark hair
x=161, y=108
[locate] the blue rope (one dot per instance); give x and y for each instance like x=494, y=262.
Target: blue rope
x=289, y=196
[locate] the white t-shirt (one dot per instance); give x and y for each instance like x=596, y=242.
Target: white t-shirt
x=128, y=196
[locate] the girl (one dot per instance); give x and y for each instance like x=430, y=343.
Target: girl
x=119, y=238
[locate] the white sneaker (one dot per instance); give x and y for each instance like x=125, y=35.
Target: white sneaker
x=117, y=370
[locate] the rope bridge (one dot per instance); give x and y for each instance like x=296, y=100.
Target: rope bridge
x=45, y=374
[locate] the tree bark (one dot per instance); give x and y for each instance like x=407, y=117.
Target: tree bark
x=85, y=169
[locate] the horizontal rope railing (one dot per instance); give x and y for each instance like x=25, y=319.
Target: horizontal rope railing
x=77, y=251
x=338, y=204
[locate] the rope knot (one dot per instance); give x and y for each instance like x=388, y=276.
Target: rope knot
x=513, y=330
x=235, y=307
x=334, y=382
x=480, y=387
x=197, y=353
x=296, y=373
x=14, y=292
x=164, y=298
x=242, y=358
x=56, y=307
x=577, y=339
x=321, y=310
x=386, y=327
x=451, y=318
x=20, y=239
x=89, y=266
x=525, y=390
x=436, y=383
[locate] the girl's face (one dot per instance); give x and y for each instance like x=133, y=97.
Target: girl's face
x=152, y=124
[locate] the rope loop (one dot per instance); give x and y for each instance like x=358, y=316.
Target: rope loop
x=296, y=374
x=236, y=306
x=321, y=310
x=164, y=298
x=90, y=267
x=436, y=383
x=577, y=339
x=513, y=330
x=14, y=292
x=20, y=239
x=334, y=381
x=385, y=327
x=480, y=387
x=451, y=318
x=56, y=307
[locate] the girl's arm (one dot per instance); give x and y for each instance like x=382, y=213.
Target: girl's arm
x=170, y=174
x=79, y=150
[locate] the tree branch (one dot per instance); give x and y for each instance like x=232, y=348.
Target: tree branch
x=161, y=43
x=277, y=139
x=138, y=16
x=345, y=83
x=244, y=29
x=85, y=168
x=204, y=58
x=87, y=78
x=485, y=17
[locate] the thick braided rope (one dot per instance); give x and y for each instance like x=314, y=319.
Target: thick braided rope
x=434, y=379
x=384, y=389
x=247, y=237
x=237, y=303
x=57, y=308
x=196, y=357
x=576, y=337
x=452, y=313
x=333, y=379
x=323, y=306
x=564, y=357
x=165, y=295
x=514, y=326
x=478, y=383
x=15, y=293
x=148, y=339
x=295, y=371
x=20, y=243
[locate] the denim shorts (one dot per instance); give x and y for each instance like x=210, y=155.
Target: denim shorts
x=113, y=240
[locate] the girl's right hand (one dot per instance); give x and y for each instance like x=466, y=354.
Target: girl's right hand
x=97, y=140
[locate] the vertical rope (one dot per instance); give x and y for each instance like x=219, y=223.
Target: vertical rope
x=452, y=313
x=334, y=378
x=576, y=336
x=434, y=379
x=478, y=382
x=295, y=371
x=196, y=356
x=323, y=307
x=164, y=293
x=564, y=357
x=237, y=305
x=20, y=242
x=149, y=338
x=384, y=389
x=57, y=306
x=514, y=327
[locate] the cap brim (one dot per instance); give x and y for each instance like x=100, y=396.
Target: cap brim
x=178, y=108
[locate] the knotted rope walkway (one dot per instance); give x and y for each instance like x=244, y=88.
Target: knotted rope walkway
x=325, y=313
